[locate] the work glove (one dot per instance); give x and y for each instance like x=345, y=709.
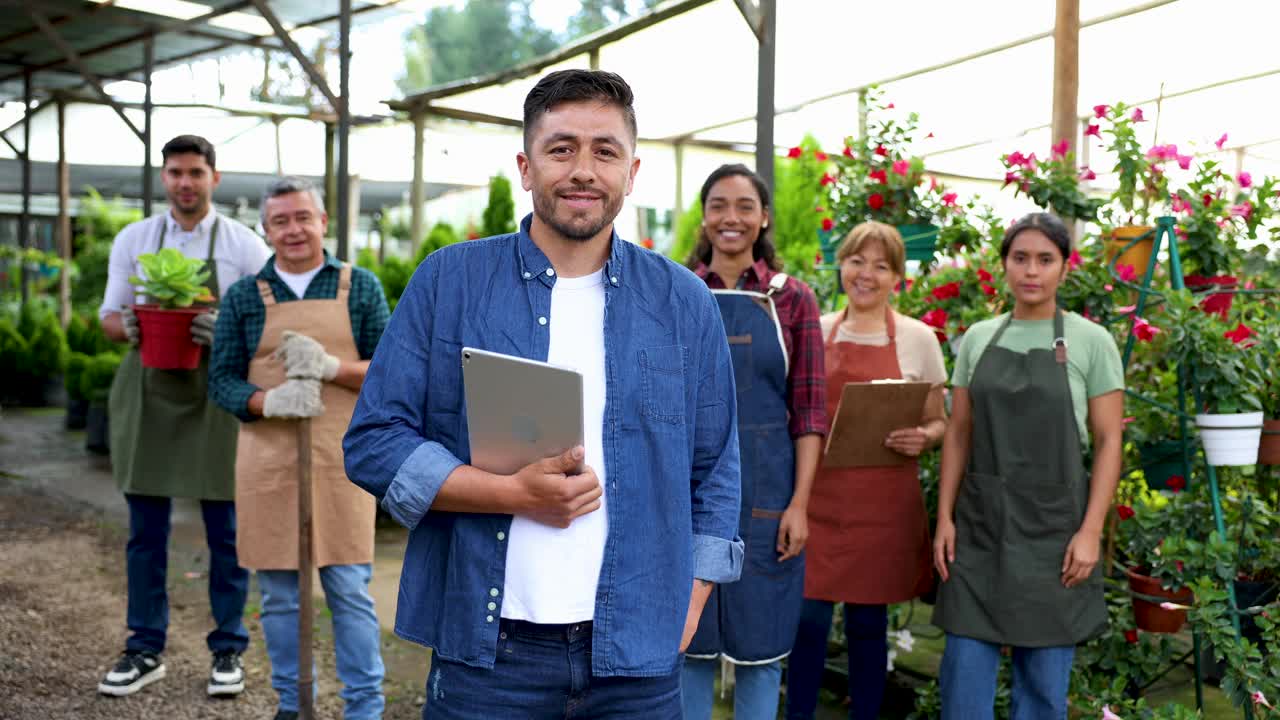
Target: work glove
x=202, y=328
x=296, y=398
x=130, y=323
x=305, y=358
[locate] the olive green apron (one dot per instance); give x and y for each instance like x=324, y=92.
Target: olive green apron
x=168, y=438
x=1023, y=497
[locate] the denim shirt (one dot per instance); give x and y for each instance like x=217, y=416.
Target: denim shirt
x=670, y=446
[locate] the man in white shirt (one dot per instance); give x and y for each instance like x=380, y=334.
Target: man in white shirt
x=168, y=439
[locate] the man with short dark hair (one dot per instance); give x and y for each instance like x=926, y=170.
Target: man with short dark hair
x=295, y=342
x=168, y=440
x=557, y=592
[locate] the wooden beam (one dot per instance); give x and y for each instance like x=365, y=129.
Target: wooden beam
x=56, y=38
x=1066, y=73
x=64, y=217
x=316, y=78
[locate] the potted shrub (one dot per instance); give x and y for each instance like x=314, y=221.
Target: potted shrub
x=1226, y=366
x=1147, y=527
x=95, y=384
x=173, y=283
x=33, y=354
x=77, y=402
x=1140, y=184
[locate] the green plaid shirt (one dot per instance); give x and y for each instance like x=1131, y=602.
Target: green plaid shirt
x=242, y=316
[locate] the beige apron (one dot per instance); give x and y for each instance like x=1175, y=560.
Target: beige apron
x=267, y=452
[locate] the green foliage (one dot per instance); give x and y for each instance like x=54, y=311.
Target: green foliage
x=442, y=234
x=394, y=273
x=72, y=378
x=33, y=349
x=90, y=284
x=1141, y=184
x=1207, y=244
x=13, y=349
x=95, y=380
x=482, y=36
x=172, y=280
x=1052, y=184
x=686, y=233
x=46, y=347
x=500, y=215
x=1228, y=374
x=797, y=206
x=1248, y=672
x=101, y=220
x=597, y=15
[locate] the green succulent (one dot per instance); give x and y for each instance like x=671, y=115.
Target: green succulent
x=172, y=280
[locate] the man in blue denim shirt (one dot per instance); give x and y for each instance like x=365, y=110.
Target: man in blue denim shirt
x=547, y=593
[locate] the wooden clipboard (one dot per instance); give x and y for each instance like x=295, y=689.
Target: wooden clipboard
x=867, y=413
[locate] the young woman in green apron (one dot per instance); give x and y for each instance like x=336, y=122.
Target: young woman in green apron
x=1019, y=519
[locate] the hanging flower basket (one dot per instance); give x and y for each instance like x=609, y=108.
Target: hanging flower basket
x=1230, y=440
x=1269, y=446
x=1139, y=256
x=1150, y=616
x=166, y=337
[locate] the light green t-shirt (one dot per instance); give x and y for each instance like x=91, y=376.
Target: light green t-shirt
x=1093, y=361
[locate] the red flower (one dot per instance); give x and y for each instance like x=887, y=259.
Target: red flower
x=1144, y=330
x=827, y=179
x=933, y=183
x=1075, y=260
x=882, y=151
x=1124, y=511
x=949, y=199
x=889, y=106
x=1240, y=334
x=983, y=275
x=1060, y=149
x=947, y=291
x=795, y=152
x=1207, y=199
x=1087, y=174
x=1100, y=111
x=875, y=201
x=989, y=290
x=1137, y=115
x=819, y=209
x=848, y=151
x=1126, y=273
x=1184, y=161
x=819, y=156
x=1131, y=637
x=1221, y=141
x=936, y=318
x=1092, y=130
x=1177, y=483
x=879, y=176
x=647, y=243
x=929, y=136
x=901, y=167
x=1010, y=177
x=828, y=224
x=1178, y=563
x=817, y=259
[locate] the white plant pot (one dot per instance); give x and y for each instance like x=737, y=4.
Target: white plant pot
x=1230, y=440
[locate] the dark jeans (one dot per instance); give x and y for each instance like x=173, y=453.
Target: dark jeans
x=865, y=630
x=544, y=671
x=147, y=560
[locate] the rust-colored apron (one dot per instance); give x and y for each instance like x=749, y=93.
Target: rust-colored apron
x=267, y=451
x=868, y=531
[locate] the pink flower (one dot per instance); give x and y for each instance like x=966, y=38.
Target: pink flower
x=1059, y=150
x=828, y=224
x=1260, y=699
x=889, y=106
x=1092, y=130
x=1087, y=174
x=949, y=199
x=1137, y=115
x=1029, y=161
x=1126, y=273
x=901, y=167
x=1173, y=606
x=929, y=136
x=1162, y=152
x=1100, y=111
x=827, y=179
x=1075, y=260
x=1126, y=309
x=819, y=209
x=1143, y=330
x=936, y=318
x=933, y=183
x=1014, y=158
x=1184, y=162
x=795, y=152
x=1010, y=177
x=1221, y=141
x=875, y=201
x=1177, y=204
x=1106, y=709
x=1128, y=420
x=1243, y=210
x=1244, y=180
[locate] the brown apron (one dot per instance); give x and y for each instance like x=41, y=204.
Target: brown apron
x=868, y=531
x=267, y=453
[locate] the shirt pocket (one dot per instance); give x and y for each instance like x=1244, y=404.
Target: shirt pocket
x=444, y=392
x=662, y=373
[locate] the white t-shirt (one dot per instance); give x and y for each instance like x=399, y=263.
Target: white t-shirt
x=239, y=252
x=298, y=282
x=552, y=574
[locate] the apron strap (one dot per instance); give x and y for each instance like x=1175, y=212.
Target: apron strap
x=890, y=325
x=1059, y=337
x=210, y=264
x=344, y=282
x=268, y=295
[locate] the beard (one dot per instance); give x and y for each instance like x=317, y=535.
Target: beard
x=579, y=227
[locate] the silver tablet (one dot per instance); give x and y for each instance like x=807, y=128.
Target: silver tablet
x=518, y=410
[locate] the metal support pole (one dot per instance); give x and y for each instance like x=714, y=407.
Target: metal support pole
x=24, y=220
x=149, y=57
x=764, y=91
x=678, y=208
x=593, y=59
x=417, y=189
x=276, y=120
x=344, y=127
x=64, y=218
x=330, y=177
x=306, y=683
x=1066, y=72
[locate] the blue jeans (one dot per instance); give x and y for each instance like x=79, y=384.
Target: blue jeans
x=865, y=630
x=357, y=638
x=147, y=566
x=544, y=672
x=755, y=689
x=1041, y=678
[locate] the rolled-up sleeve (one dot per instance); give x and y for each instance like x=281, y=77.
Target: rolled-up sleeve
x=716, y=476
x=386, y=449
x=807, y=382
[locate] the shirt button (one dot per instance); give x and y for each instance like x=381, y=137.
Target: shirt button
x=502, y=535
x=527, y=275
x=488, y=618
x=542, y=320
x=493, y=606
x=493, y=592
x=551, y=272
x=614, y=279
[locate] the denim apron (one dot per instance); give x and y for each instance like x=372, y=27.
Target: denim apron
x=1023, y=497
x=168, y=438
x=754, y=620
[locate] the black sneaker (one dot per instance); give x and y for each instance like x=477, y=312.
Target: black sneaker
x=135, y=670
x=227, y=676
x=286, y=715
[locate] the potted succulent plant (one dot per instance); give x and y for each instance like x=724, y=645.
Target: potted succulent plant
x=174, y=283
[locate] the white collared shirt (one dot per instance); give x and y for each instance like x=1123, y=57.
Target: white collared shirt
x=239, y=252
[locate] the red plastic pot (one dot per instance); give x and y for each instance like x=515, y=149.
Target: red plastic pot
x=166, y=337
x=1150, y=616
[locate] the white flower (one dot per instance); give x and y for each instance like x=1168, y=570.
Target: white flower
x=904, y=639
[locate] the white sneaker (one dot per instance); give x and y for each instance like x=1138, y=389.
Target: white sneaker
x=134, y=671
x=227, y=676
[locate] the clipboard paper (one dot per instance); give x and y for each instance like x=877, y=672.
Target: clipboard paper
x=867, y=413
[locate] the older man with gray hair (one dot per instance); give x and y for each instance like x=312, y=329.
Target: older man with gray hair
x=295, y=341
